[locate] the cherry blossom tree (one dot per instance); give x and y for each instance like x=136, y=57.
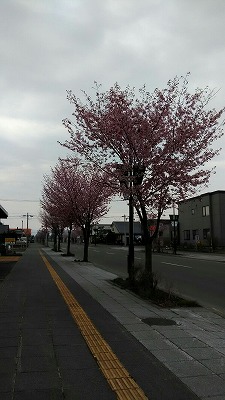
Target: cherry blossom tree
x=158, y=145
x=79, y=195
x=46, y=226
x=51, y=219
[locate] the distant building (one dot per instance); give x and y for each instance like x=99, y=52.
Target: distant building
x=202, y=220
x=121, y=230
x=21, y=232
x=100, y=233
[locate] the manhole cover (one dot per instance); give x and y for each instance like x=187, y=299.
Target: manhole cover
x=159, y=321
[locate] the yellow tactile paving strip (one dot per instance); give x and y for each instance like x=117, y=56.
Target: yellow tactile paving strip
x=117, y=376
x=9, y=258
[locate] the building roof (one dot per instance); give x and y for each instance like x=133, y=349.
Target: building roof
x=103, y=226
x=123, y=227
x=19, y=231
x=202, y=195
x=3, y=212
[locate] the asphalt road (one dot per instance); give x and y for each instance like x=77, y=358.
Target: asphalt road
x=200, y=280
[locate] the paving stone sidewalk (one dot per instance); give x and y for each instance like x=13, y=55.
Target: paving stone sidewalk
x=188, y=341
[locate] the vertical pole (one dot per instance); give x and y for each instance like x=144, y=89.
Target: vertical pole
x=131, y=232
x=124, y=229
x=174, y=238
x=27, y=223
x=131, y=238
x=211, y=224
x=174, y=232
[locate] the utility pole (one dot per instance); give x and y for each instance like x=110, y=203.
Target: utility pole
x=27, y=216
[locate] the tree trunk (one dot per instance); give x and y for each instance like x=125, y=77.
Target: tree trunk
x=148, y=240
x=86, y=244
x=148, y=255
x=55, y=240
x=58, y=243
x=148, y=246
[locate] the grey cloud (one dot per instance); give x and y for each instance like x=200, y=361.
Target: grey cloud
x=50, y=46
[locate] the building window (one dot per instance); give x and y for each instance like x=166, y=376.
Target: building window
x=205, y=211
x=206, y=233
x=187, y=235
x=195, y=234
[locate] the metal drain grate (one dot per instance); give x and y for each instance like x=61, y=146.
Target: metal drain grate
x=158, y=321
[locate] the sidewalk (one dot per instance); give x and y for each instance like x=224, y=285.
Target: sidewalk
x=171, y=354
x=190, y=342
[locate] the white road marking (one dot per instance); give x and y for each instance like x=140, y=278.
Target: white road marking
x=138, y=258
x=177, y=265
x=109, y=253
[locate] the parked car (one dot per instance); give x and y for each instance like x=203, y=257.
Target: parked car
x=22, y=241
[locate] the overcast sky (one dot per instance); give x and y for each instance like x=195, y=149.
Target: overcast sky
x=49, y=46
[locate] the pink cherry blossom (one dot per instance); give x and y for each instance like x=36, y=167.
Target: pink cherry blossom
x=169, y=132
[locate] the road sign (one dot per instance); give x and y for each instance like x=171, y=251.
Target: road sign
x=10, y=240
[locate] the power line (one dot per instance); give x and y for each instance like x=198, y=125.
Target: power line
x=20, y=200
x=19, y=216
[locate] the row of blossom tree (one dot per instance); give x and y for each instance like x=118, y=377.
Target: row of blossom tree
x=74, y=195
x=156, y=147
